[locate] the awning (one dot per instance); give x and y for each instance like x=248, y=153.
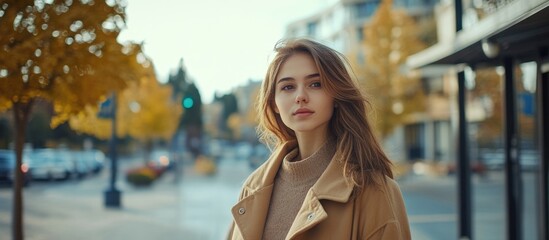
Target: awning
x=520, y=30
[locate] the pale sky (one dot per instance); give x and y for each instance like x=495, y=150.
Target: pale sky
x=223, y=43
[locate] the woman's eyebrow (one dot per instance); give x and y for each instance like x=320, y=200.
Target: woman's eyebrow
x=284, y=79
x=310, y=76
x=314, y=75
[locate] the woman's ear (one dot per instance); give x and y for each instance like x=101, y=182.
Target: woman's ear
x=276, y=109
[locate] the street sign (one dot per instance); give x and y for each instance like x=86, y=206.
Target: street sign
x=527, y=103
x=106, y=108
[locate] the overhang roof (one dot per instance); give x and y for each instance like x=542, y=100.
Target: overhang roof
x=520, y=29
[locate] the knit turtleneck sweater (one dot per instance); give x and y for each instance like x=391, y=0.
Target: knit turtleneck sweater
x=292, y=182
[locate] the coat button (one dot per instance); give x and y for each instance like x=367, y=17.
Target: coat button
x=310, y=216
x=241, y=210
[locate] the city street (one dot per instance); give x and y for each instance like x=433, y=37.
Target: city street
x=198, y=207
x=432, y=206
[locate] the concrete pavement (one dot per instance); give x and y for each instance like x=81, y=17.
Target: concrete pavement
x=196, y=207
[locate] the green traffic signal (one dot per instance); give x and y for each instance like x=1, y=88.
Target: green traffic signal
x=188, y=102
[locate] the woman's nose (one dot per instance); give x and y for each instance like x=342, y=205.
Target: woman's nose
x=301, y=97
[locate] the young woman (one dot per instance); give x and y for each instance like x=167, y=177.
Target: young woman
x=328, y=177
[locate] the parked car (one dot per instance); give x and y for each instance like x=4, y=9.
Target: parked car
x=7, y=167
x=96, y=159
x=48, y=164
x=80, y=166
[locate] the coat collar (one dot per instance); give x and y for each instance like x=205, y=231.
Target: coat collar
x=330, y=186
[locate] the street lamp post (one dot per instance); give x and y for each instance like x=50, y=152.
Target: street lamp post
x=112, y=195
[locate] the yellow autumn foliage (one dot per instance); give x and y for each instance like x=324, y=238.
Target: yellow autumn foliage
x=390, y=37
x=62, y=52
x=145, y=110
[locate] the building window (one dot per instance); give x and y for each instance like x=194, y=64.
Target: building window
x=312, y=28
x=415, y=141
x=433, y=86
x=364, y=10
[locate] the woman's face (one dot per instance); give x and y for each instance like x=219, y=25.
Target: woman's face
x=300, y=99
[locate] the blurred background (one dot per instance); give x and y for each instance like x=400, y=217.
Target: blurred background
x=136, y=120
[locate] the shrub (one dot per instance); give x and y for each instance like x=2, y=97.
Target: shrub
x=204, y=165
x=141, y=176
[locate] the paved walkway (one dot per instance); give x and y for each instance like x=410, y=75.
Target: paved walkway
x=196, y=207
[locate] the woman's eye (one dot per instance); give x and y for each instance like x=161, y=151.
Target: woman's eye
x=315, y=84
x=287, y=87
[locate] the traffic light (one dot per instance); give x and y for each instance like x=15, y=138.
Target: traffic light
x=192, y=105
x=188, y=102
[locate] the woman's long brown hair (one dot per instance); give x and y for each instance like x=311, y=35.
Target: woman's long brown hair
x=365, y=163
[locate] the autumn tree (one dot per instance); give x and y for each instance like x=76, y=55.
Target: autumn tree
x=488, y=90
x=389, y=38
x=145, y=111
x=64, y=52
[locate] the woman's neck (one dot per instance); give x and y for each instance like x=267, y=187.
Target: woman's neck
x=310, y=143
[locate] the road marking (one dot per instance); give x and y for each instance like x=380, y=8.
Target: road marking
x=431, y=218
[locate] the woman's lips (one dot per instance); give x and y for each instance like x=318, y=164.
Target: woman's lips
x=303, y=112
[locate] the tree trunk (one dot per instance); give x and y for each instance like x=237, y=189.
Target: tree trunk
x=21, y=112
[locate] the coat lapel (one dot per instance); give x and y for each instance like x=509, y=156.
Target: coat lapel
x=330, y=186
x=250, y=212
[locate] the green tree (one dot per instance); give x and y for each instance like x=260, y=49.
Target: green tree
x=178, y=81
x=180, y=84
x=389, y=38
x=229, y=107
x=64, y=52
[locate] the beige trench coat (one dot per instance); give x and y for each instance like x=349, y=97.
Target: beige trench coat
x=329, y=210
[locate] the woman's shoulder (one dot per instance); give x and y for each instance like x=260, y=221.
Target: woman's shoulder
x=385, y=194
x=382, y=204
x=391, y=185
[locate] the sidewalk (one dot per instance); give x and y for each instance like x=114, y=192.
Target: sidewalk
x=148, y=213
x=190, y=209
